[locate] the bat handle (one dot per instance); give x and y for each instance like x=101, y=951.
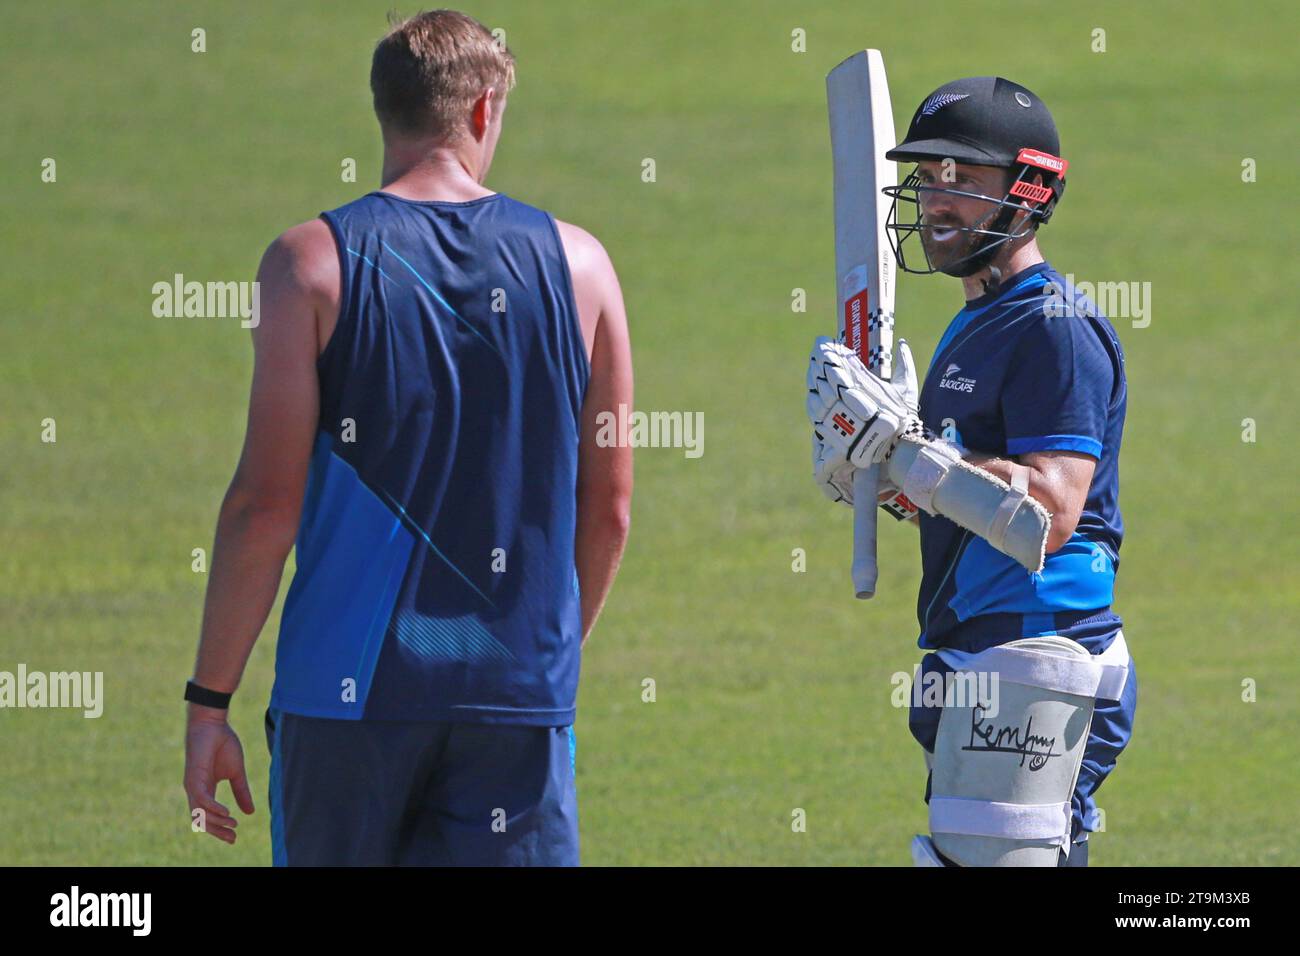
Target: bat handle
x=865, y=571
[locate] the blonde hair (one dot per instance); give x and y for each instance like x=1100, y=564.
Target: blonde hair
x=429, y=69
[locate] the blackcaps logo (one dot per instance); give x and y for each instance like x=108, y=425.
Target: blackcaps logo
x=958, y=383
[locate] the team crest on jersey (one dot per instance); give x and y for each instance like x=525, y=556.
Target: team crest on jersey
x=956, y=383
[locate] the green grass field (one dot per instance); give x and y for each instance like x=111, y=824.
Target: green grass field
x=773, y=687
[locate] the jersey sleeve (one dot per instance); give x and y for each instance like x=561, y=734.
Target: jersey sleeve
x=1057, y=391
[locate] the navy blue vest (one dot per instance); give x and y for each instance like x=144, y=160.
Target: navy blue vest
x=435, y=568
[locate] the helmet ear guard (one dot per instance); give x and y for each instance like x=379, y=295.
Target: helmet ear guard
x=1052, y=168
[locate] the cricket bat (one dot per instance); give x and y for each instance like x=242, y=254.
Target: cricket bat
x=862, y=129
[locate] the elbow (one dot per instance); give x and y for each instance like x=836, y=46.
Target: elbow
x=1060, y=531
x=266, y=520
x=606, y=503
x=610, y=517
x=618, y=519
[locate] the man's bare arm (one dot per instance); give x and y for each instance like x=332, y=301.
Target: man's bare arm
x=604, y=473
x=1058, y=480
x=259, y=516
x=298, y=286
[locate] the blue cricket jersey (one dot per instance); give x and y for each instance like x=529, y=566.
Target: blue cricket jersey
x=435, y=564
x=1032, y=366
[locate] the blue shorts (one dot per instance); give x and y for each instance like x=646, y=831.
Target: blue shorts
x=398, y=793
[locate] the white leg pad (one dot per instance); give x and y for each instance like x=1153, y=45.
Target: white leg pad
x=1005, y=768
x=923, y=853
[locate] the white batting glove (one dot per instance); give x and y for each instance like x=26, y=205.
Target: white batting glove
x=833, y=474
x=857, y=414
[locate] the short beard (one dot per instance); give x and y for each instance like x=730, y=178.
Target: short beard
x=966, y=245
x=977, y=251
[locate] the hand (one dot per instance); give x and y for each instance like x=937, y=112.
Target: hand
x=857, y=414
x=213, y=754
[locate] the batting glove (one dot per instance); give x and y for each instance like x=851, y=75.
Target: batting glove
x=833, y=474
x=857, y=414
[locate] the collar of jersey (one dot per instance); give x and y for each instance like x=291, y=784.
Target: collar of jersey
x=974, y=307
x=1006, y=288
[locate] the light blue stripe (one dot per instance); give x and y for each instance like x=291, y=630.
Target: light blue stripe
x=1037, y=625
x=372, y=265
x=445, y=304
x=449, y=638
x=434, y=548
x=348, y=536
x=1019, y=446
x=990, y=582
x=275, y=796
x=964, y=318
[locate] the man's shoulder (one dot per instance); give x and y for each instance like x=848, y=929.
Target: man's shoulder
x=306, y=257
x=582, y=248
x=1054, y=322
x=588, y=260
x=1051, y=303
x=1061, y=296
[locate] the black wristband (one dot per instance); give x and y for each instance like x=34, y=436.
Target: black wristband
x=206, y=698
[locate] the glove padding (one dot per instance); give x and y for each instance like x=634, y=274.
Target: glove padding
x=834, y=476
x=858, y=415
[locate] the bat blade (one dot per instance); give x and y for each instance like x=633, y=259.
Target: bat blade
x=862, y=129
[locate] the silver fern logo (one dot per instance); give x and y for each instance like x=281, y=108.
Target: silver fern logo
x=939, y=101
